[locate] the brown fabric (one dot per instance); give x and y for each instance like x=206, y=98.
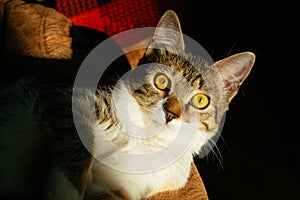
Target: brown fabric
x=193, y=190
x=136, y=51
x=134, y=56
x=37, y=31
x=2, y=6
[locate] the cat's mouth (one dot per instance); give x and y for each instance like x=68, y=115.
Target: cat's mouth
x=172, y=109
x=169, y=115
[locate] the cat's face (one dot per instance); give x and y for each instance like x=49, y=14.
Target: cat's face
x=182, y=91
x=167, y=92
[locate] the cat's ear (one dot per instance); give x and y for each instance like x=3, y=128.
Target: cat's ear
x=167, y=35
x=234, y=70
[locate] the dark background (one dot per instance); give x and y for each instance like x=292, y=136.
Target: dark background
x=259, y=148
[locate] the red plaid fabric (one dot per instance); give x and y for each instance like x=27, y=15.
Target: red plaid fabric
x=110, y=16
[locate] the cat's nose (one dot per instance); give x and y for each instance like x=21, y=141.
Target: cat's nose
x=170, y=116
x=172, y=109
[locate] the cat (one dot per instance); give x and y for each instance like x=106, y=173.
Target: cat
x=41, y=149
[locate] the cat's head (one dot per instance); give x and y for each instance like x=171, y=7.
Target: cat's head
x=171, y=89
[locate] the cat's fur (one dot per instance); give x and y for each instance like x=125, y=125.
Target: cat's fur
x=37, y=126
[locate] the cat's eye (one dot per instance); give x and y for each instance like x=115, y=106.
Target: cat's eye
x=200, y=101
x=162, y=82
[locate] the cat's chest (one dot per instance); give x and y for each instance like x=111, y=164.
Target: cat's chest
x=143, y=185
x=115, y=166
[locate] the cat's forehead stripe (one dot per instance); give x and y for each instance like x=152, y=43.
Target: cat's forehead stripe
x=192, y=75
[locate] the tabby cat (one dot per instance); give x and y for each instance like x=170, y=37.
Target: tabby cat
x=40, y=148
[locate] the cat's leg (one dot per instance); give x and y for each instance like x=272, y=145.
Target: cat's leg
x=23, y=152
x=71, y=171
x=59, y=187
x=69, y=176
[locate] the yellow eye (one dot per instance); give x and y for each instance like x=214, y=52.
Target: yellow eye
x=162, y=82
x=200, y=101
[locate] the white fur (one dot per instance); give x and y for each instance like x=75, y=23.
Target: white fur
x=141, y=185
x=130, y=116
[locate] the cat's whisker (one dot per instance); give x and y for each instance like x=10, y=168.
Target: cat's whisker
x=216, y=153
x=227, y=146
x=219, y=157
x=207, y=148
x=232, y=47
